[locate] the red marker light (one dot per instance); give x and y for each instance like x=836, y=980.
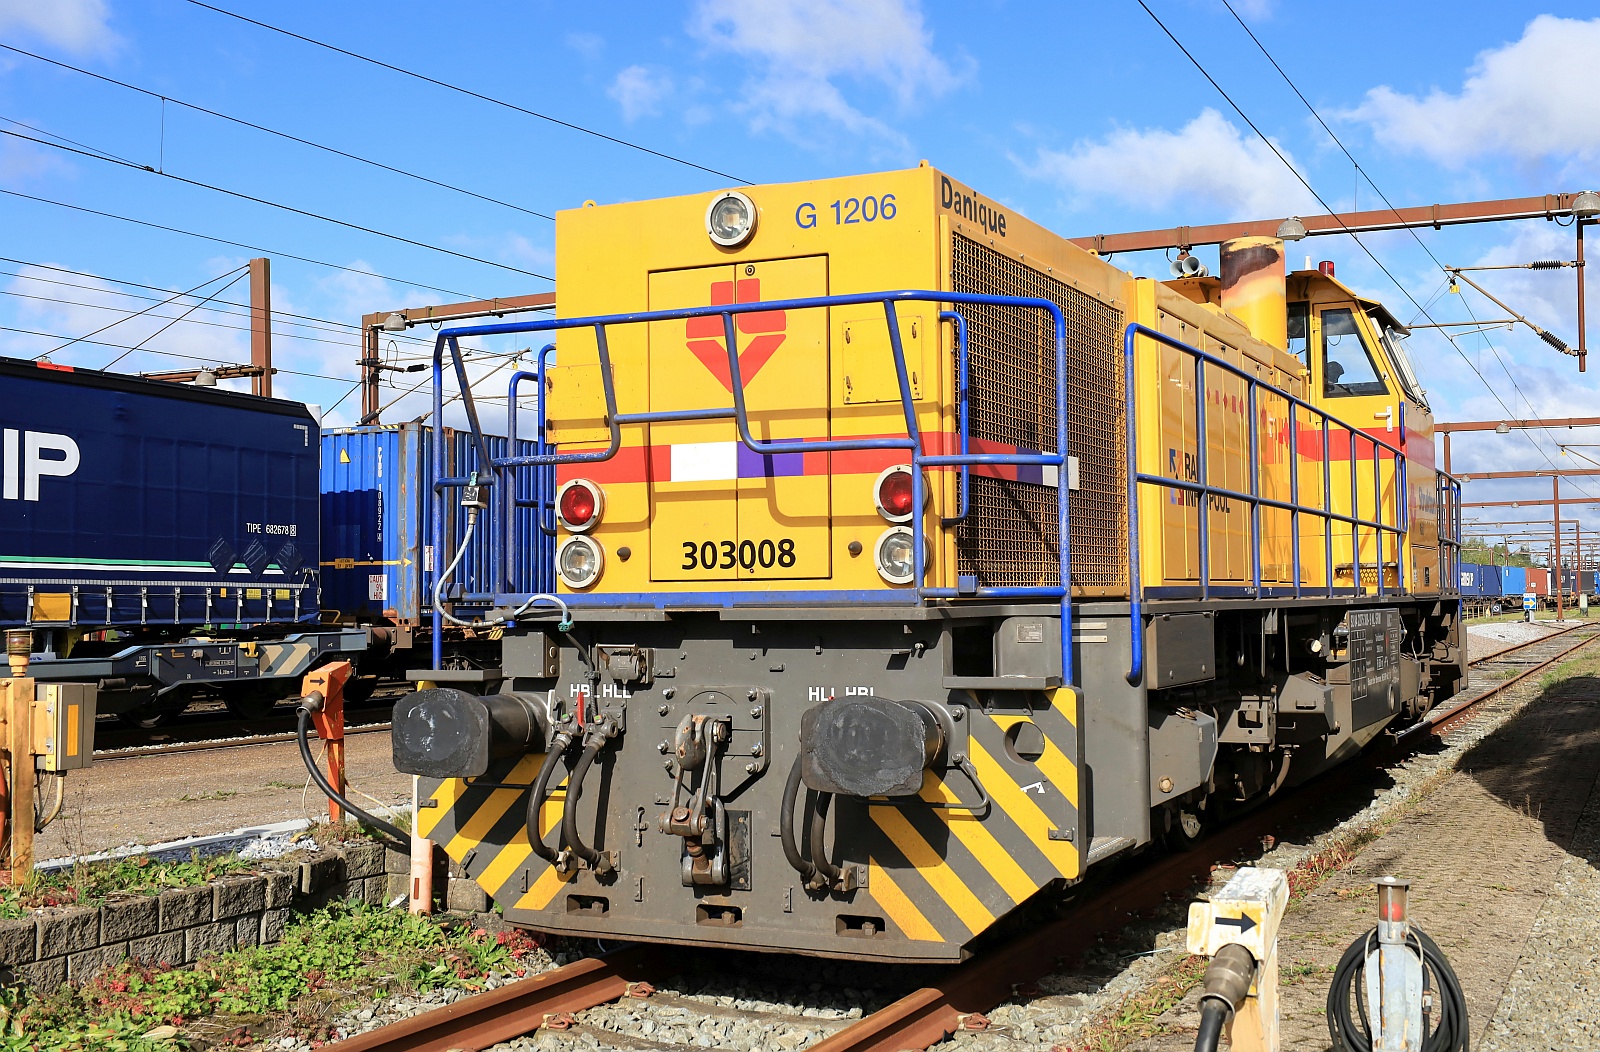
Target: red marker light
x=579, y=505
x=894, y=494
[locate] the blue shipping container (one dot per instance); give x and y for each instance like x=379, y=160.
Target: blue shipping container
x=142, y=502
x=374, y=522
x=377, y=556
x=1469, y=579
x=1513, y=580
x=1480, y=579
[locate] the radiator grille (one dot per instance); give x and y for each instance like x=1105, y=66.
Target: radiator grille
x=1010, y=536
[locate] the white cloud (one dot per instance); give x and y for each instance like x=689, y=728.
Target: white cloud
x=78, y=26
x=639, y=91
x=1530, y=99
x=799, y=48
x=1207, y=161
x=589, y=45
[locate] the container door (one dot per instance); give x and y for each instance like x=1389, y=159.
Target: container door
x=783, y=359
x=693, y=465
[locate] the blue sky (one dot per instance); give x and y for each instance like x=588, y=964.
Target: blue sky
x=1083, y=116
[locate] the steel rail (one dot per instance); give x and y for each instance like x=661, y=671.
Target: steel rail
x=1438, y=723
x=272, y=738
x=518, y=1008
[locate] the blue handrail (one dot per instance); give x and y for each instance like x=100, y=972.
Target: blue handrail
x=1205, y=491
x=738, y=412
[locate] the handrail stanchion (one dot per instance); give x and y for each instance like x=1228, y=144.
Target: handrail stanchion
x=1203, y=501
x=1327, y=507
x=1255, y=489
x=1130, y=397
x=1294, y=496
x=1355, y=515
x=963, y=419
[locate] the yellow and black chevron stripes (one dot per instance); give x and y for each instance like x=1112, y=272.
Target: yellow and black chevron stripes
x=941, y=870
x=484, y=828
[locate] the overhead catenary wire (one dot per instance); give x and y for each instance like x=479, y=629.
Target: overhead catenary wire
x=469, y=92
x=238, y=244
x=152, y=307
x=266, y=130
x=93, y=154
x=1321, y=200
x=168, y=325
x=304, y=320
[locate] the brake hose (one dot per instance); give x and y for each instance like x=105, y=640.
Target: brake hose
x=819, y=848
x=461, y=551
x=402, y=838
x=1450, y=1034
x=791, y=850
x=558, y=747
x=569, y=814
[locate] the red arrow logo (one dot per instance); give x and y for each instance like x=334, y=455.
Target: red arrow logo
x=765, y=329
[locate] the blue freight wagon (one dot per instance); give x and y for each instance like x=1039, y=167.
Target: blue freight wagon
x=159, y=536
x=1513, y=580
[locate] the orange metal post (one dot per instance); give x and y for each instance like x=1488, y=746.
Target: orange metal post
x=329, y=681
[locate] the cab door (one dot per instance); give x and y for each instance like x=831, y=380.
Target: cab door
x=783, y=357
x=692, y=464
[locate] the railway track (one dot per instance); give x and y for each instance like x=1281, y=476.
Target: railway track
x=578, y=998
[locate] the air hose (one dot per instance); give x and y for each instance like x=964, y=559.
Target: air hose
x=559, y=744
x=817, y=822
x=791, y=849
x=569, y=814
x=401, y=837
x=1449, y=1034
x=461, y=552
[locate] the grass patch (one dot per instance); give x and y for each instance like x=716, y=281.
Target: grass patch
x=327, y=961
x=1139, y=1014
x=91, y=883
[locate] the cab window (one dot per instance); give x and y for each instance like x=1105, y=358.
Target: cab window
x=1300, y=332
x=1402, y=366
x=1348, y=368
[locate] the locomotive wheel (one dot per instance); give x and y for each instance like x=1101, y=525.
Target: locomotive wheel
x=257, y=700
x=1187, y=825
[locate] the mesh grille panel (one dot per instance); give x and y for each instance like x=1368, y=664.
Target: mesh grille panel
x=1010, y=537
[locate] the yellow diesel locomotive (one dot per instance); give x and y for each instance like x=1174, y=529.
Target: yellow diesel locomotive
x=908, y=560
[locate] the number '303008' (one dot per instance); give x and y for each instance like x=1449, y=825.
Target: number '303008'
x=747, y=555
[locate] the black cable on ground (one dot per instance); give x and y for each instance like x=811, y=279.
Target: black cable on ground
x=1213, y=1014
x=1450, y=1033
x=402, y=838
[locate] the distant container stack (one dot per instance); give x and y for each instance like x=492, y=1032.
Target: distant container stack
x=1513, y=580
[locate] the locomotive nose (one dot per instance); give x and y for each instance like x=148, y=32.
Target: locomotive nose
x=868, y=746
x=443, y=732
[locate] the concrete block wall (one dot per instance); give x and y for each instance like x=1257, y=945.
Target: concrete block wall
x=182, y=925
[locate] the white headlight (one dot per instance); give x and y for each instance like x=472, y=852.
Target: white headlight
x=730, y=218
x=580, y=562
x=894, y=555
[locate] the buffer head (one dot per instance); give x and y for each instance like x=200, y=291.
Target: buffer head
x=867, y=746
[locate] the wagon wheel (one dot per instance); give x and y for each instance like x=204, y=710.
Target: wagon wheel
x=255, y=701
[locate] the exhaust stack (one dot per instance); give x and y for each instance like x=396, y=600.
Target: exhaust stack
x=1253, y=287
